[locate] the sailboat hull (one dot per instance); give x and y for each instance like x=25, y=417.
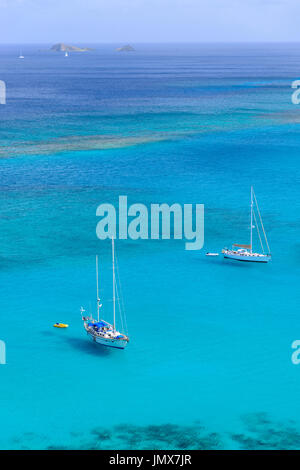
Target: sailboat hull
x=250, y=257
x=108, y=342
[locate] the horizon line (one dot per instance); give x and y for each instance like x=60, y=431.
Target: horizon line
x=155, y=42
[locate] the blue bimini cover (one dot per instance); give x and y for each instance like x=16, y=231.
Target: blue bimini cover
x=98, y=324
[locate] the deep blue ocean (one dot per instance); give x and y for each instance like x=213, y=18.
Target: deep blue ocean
x=209, y=364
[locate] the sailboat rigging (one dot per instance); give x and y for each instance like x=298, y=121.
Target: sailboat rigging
x=244, y=252
x=98, y=330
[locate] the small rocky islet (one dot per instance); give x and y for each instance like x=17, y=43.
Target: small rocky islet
x=61, y=47
x=126, y=48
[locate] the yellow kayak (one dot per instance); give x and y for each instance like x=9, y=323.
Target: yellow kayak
x=60, y=325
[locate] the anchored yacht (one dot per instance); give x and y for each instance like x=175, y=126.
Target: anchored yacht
x=100, y=331
x=243, y=252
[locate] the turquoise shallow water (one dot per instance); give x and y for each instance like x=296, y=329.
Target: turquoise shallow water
x=209, y=362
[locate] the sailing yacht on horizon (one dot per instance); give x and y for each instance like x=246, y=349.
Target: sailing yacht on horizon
x=100, y=331
x=243, y=252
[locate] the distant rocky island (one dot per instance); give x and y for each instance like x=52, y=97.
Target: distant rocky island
x=126, y=48
x=61, y=47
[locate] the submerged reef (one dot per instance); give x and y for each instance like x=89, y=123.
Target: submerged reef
x=164, y=436
x=258, y=432
x=79, y=143
x=263, y=433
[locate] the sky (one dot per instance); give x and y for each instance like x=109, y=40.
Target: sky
x=133, y=21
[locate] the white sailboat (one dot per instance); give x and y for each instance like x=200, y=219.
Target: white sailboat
x=100, y=331
x=21, y=56
x=66, y=54
x=242, y=252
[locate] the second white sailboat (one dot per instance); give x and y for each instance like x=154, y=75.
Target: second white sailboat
x=242, y=252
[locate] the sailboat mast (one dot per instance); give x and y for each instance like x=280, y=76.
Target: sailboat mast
x=262, y=225
x=251, y=219
x=114, y=294
x=97, y=283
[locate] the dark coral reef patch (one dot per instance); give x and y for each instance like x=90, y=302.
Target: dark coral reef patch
x=264, y=434
x=258, y=431
x=164, y=436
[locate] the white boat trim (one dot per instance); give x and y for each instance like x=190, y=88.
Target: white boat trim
x=246, y=256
